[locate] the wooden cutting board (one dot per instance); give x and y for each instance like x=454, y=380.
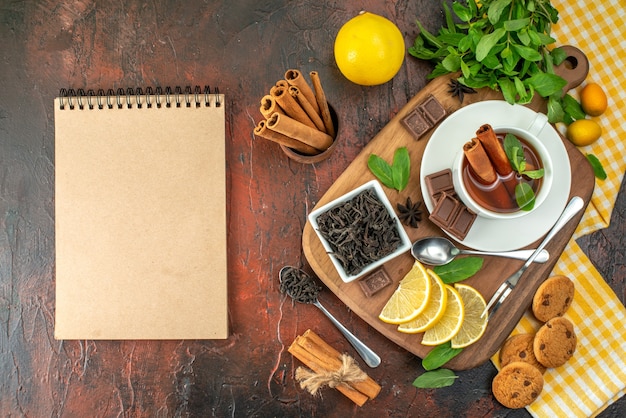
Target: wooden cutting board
x=495, y=270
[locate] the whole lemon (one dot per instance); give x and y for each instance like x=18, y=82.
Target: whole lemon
x=583, y=132
x=593, y=99
x=369, y=49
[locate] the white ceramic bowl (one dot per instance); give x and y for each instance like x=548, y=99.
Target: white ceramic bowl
x=530, y=135
x=405, y=243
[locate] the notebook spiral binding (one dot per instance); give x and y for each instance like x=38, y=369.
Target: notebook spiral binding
x=130, y=98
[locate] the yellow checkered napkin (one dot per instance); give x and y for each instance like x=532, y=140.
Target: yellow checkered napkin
x=596, y=375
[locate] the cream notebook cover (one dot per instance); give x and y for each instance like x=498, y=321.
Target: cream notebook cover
x=140, y=206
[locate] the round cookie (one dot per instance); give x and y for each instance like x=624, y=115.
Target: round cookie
x=553, y=298
x=517, y=385
x=520, y=348
x=555, y=342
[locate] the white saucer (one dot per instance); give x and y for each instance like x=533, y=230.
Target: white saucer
x=456, y=130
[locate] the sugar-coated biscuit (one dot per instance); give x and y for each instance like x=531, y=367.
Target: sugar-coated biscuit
x=553, y=297
x=517, y=385
x=555, y=342
x=519, y=347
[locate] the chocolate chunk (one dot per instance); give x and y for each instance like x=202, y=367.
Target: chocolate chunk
x=433, y=110
x=445, y=211
x=439, y=182
x=426, y=115
x=462, y=223
x=374, y=282
x=452, y=216
x=416, y=123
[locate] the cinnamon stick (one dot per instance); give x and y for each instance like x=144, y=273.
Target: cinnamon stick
x=295, y=78
x=269, y=106
x=311, y=340
x=308, y=107
x=313, y=363
x=297, y=130
x=320, y=357
x=322, y=102
x=262, y=131
x=494, y=149
x=479, y=161
x=291, y=107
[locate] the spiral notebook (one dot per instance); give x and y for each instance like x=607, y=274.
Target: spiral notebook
x=140, y=206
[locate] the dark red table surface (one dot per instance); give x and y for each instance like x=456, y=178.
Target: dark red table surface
x=242, y=47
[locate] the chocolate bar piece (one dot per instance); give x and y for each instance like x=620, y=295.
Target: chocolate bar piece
x=462, y=223
x=425, y=115
x=446, y=209
x=416, y=123
x=439, y=182
x=452, y=216
x=374, y=282
x=433, y=110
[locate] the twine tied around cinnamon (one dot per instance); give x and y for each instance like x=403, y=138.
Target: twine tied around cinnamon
x=347, y=373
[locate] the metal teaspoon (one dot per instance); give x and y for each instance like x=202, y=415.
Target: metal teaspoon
x=437, y=251
x=309, y=295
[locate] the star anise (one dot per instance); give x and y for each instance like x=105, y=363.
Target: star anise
x=460, y=90
x=410, y=213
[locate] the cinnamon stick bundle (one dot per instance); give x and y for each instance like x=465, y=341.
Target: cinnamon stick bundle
x=492, y=191
x=494, y=149
x=332, y=368
x=295, y=116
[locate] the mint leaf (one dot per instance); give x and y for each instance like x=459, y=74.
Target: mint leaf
x=381, y=169
x=401, y=168
x=435, y=379
x=572, y=108
x=598, y=170
x=487, y=42
x=534, y=174
x=514, y=151
x=439, y=356
x=524, y=196
x=459, y=269
x=547, y=84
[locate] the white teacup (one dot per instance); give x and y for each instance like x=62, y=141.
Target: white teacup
x=530, y=136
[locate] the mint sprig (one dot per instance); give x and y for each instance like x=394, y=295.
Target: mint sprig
x=504, y=45
x=524, y=195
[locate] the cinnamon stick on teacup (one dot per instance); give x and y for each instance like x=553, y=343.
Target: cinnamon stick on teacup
x=479, y=161
x=494, y=149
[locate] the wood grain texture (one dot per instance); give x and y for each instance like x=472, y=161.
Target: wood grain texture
x=243, y=47
x=495, y=269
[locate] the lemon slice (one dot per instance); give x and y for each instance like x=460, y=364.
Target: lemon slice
x=434, y=310
x=475, y=323
x=410, y=298
x=450, y=323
